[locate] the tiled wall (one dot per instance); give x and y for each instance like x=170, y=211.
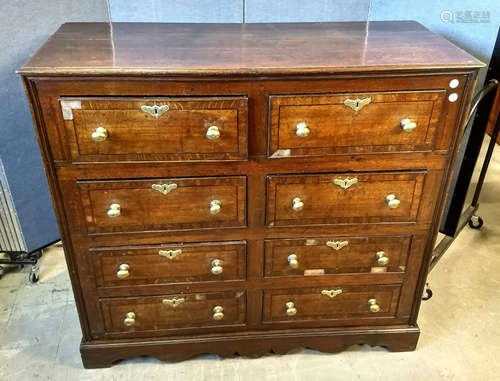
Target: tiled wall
x=177, y=10
x=306, y=10
x=477, y=37
x=24, y=26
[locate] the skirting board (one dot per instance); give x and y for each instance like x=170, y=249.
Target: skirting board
x=101, y=355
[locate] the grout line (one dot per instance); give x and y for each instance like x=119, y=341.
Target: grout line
x=111, y=34
x=368, y=16
x=244, y=11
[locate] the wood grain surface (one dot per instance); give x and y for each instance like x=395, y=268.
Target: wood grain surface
x=256, y=82
x=194, y=49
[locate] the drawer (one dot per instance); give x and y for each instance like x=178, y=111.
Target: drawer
x=161, y=264
x=330, y=303
x=173, y=312
x=336, y=255
x=159, y=129
x=163, y=204
x=302, y=125
x=343, y=198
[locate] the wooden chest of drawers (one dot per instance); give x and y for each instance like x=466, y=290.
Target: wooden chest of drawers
x=240, y=189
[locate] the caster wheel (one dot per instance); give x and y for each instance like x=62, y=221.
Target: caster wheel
x=34, y=277
x=427, y=292
x=476, y=222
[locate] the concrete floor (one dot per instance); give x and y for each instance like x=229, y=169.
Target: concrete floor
x=460, y=340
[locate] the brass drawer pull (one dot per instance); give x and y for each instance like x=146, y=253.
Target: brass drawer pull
x=302, y=130
x=331, y=293
x=129, y=319
x=292, y=261
x=155, y=111
x=357, y=104
x=218, y=313
x=407, y=125
x=216, y=267
x=337, y=245
x=290, y=309
x=382, y=260
x=173, y=302
x=123, y=272
x=164, y=188
x=215, y=206
x=170, y=254
x=213, y=133
x=391, y=201
x=100, y=134
x=114, y=210
x=374, y=307
x=297, y=204
x=345, y=183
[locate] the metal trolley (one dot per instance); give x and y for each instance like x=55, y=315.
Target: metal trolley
x=485, y=109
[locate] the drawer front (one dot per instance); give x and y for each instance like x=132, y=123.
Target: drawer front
x=343, y=198
x=161, y=264
x=330, y=303
x=173, y=312
x=163, y=204
x=336, y=255
x=163, y=129
x=354, y=123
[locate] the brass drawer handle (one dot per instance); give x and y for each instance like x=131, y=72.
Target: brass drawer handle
x=407, y=125
x=215, y=206
x=173, y=302
x=129, y=319
x=155, y=111
x=357, y=104
x=164, y=188
x=345, y=183
x=216, y=267
x=382, y=260
x=290, y=309
x=292, y=261
x=391, y=201
x=114, y=210
x=100, y=134
x=302, y=130
x=213, y=133
x=374, y=307
x=123, y=272
x=337, y=245
x=297, y=204
x=218, y=313
x=170, y=254
x=331, y=293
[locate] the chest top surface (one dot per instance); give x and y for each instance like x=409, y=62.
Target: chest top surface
x=244, y=49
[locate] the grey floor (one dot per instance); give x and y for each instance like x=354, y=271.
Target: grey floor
x=460, y=340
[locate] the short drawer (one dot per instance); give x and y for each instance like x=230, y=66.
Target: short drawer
x=330, y=303
x=336, y=255
x=172, y=263
x=343, y=198
x=163, y=204
x=302, y=125
x=159, y=129
x=173, y=312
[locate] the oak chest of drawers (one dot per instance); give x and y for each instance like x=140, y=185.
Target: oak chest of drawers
x=241, y=189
